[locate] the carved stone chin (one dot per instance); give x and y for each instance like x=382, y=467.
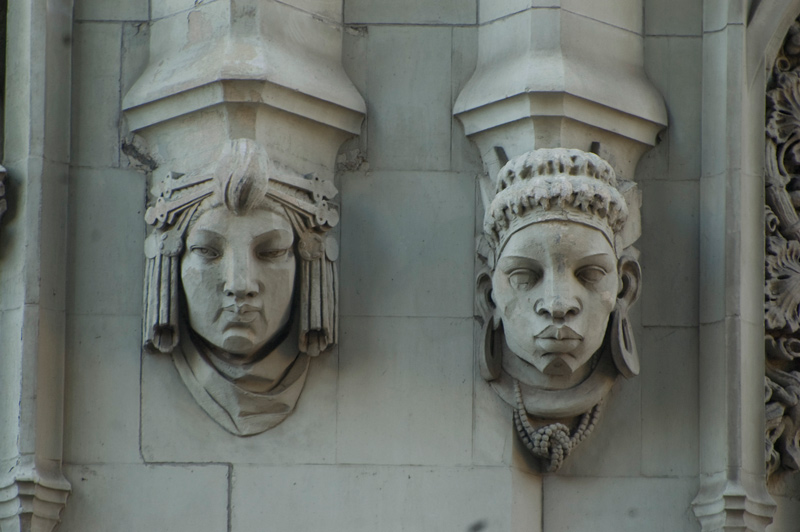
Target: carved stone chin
x=241, y=284
x=555, y=291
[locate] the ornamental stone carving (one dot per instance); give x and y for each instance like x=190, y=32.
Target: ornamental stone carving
x=782, y=268
x=241, y=282
x=558, y=279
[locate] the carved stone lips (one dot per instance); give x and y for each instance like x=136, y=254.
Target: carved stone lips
x=241, y=314
x=556, y=332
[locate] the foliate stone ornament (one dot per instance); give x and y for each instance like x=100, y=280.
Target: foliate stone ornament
x=241, y=283
x=559, y=275
x=782, y=268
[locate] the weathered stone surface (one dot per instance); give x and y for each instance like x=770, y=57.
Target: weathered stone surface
x=117, y=498
x=101, y=403
x=401, y=260
x=629, y=506
x=410, y=12
x=408, y=124
x=391, y=498
x=96, y=99
x=419, y=412
x=97, y=244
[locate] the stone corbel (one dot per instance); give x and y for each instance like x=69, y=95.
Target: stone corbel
x=257, y=69
x=544, y=79
x=560, y=120
x=239, y=119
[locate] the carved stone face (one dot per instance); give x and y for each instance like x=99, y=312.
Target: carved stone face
x=554, y=287
x=237, y=273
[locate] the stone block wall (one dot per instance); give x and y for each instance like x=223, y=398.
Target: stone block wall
x=396, y=429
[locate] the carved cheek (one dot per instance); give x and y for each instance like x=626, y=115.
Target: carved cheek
x=278, y=276
x=510, y=309
x=201, y=277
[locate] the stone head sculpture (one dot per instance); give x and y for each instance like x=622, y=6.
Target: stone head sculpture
x=555, y=292
x=240, y=283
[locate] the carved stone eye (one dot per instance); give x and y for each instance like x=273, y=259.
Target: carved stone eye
x=204, y=252
x=591, y=274
x=272, y=254
x=523, y=279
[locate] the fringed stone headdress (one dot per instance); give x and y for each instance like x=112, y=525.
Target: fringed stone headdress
x=554, y=184
x=243, y=178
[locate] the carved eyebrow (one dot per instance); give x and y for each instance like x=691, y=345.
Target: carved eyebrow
x=207, y=233
x=275, y=234
x=514, y=261
x=600, y=255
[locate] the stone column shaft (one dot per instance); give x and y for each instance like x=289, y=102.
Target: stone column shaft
x=33, y=490
x=732, y=494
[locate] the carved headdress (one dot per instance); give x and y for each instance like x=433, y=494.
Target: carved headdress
x=555, y=184
x=243, y=178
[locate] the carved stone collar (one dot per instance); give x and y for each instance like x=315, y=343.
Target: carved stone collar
x=563, y=403
x=245, y=400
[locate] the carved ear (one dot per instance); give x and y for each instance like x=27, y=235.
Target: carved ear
x=623, y=346
x=490, y=350
x=630, y=276
x=483, y=297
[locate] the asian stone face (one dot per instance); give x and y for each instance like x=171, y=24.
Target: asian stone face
x=554, y=286
x=238, y=273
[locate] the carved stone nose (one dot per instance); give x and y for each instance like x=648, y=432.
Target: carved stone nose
x=242, y=290
x=557, y=307
x=239, y=283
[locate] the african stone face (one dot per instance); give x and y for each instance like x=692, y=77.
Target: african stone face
x=238, y=274
x=554, y=286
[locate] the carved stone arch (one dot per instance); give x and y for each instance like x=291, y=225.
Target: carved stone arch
x=766, y=29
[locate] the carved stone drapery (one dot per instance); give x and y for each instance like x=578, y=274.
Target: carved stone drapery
x=782, y=268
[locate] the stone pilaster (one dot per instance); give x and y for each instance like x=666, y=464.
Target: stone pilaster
x=33, y=490
x=732, y=494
